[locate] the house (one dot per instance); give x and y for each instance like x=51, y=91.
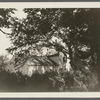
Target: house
x=40, y=64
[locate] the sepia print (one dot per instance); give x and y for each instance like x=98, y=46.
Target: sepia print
x=49, y=49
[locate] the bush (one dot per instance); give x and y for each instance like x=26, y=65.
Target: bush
x=74, y=81
x=52, y=81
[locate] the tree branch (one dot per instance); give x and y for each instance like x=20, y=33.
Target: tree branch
x=4, y=32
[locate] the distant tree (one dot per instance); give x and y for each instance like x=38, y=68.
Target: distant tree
x=3, y=62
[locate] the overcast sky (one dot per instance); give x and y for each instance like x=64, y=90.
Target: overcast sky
x=4, y=41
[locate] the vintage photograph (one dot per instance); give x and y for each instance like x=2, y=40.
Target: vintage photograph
x=49, y=49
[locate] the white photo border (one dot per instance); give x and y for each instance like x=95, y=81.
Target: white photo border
x=50, y=5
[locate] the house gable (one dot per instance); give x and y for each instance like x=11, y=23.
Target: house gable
x=39, y=63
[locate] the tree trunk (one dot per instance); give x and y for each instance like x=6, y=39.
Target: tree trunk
x=72, y=63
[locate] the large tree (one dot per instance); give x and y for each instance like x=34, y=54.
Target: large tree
x=72, y=26
x=77, y=28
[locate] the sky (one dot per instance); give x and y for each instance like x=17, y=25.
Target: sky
x=4, y=43
x=4, y=40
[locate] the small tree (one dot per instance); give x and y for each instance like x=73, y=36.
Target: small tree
x=3, y=62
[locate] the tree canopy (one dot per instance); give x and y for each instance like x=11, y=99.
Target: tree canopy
x=76, y=28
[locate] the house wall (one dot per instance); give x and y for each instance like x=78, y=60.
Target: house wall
x=40, y=69
x=30, y=68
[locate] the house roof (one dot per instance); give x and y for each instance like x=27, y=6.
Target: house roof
x=36, y=61
x=41, y=61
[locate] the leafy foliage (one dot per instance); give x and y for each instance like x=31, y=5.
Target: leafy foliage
x=5, y=17
x=40, y=25
x=76, y=28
